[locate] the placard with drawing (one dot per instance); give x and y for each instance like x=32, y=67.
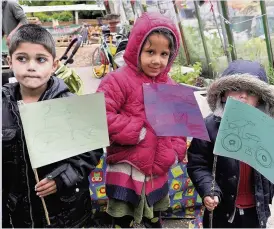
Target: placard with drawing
x=62, y=128
x=246, y=134
x=172, y=110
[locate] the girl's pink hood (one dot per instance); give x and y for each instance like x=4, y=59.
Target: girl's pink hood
x=142, y=28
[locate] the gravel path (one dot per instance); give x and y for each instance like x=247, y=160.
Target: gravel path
x=82, y=57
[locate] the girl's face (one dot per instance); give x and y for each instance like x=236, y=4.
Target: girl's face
x=155, y=55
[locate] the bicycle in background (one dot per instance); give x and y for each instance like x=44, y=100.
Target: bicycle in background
x=109, y=55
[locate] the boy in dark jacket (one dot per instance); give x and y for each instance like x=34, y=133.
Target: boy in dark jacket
x=64, y=184
x=241, y=196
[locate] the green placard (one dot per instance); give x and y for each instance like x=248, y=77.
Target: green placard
x=61, y=128
x=246, y=134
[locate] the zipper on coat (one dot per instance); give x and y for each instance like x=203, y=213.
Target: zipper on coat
x=20, y=103
x=231, y=219
x=257, y=202
x=152, y=183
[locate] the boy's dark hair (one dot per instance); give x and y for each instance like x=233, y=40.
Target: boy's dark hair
x=33, y=34
x=167, y=34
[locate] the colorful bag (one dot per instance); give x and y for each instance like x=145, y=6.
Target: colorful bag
x=184, y=199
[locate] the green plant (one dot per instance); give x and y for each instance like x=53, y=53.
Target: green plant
x=60, y=16
x=63, y=16
x=181, y=58
x=270, y=74
x=188, y=78
x=194, y=43
x=253, y=49
x=144, y=7
x=43, y=17
x=196, y=49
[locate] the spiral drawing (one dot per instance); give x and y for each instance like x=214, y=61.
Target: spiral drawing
x=263, y=157
x=232, y=143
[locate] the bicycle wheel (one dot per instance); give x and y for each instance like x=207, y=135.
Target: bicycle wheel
x=232, y=143
x=263, y=157
x=100, y=63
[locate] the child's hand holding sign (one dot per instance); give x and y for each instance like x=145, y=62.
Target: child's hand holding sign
x=211, y=203
x=45, y=187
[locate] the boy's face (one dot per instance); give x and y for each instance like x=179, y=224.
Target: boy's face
x=154, y=55
x=32, y=65
x=243, y=96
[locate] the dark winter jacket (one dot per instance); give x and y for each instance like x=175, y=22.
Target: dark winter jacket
x=200, y=153
x=70, y=206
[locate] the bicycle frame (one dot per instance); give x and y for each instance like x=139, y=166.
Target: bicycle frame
x=103, y=58
x=105, y=48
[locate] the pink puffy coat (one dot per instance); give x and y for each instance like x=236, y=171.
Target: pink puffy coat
x=126, y=112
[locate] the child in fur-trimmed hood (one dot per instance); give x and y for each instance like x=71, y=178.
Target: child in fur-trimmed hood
x=241, y=194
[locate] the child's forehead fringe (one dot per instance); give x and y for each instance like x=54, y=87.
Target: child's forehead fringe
x=162, y=30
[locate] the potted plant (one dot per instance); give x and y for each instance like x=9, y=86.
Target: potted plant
x=190, y=78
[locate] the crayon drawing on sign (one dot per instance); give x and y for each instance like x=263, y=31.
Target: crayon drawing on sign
x=247, y=137
x=70, y=128
x=172, y=110
x=61, y=128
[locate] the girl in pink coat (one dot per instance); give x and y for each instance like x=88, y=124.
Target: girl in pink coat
x=139, y=161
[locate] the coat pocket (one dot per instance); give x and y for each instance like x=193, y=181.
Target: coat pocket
x=73, y=193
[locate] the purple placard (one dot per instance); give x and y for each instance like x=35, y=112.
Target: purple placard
x=172, y=110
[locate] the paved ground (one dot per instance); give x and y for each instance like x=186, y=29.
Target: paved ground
x=83, y=56
x=90, y=83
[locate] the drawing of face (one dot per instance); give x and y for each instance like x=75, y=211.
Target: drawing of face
x=154, y=55
x=97, y=176
x=32, y=65
x=247, y=97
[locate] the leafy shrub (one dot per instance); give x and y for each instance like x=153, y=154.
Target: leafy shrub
x=63, y=16
x=60, y=16
x=270, y=75
x=188, y=78
x=43, y=17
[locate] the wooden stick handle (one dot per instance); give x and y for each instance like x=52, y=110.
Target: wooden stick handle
x=42, y=198
x=213, y=188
